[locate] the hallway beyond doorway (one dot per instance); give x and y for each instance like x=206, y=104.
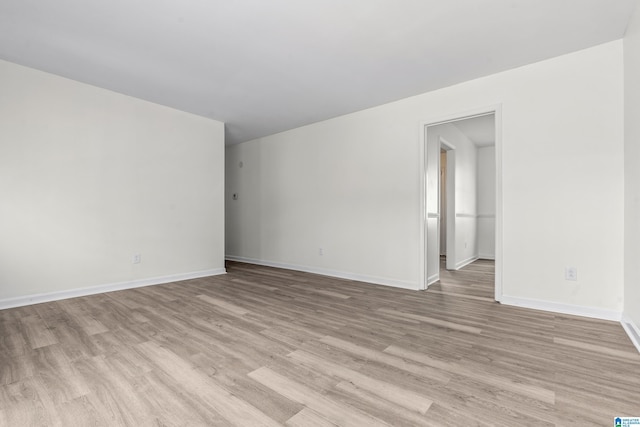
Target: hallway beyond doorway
x=475, y=281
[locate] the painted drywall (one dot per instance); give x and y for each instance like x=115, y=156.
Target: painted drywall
x=351, y=185
x=632, y=170
x=89, y=178
x=487, y=202
x=338, y=186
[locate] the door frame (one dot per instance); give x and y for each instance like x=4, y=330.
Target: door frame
x=450, y=210
x=496, y=110
x=449, y=217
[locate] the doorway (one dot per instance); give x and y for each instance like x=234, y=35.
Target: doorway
x=461, y=209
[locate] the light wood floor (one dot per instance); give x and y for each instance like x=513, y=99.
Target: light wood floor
x=262, y=346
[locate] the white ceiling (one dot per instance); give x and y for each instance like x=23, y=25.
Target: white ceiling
x=480, y=130
x=267, y=66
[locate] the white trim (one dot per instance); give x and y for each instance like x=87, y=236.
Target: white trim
x=332, y=273
x=632, y=330
x=466, y=262
x=487, y=256
x=470, y=114
x=499, y=205
x=448, y=146
x=422, y=248
x=433, y=279
x=99, y=289
x=466, y=215
x=479, y=216
x=555, y=307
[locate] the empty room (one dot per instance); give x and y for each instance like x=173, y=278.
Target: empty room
x=320, y=213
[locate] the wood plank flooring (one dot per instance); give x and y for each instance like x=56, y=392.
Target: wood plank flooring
x=268, y=347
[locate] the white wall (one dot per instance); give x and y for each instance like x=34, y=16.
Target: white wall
x=486, y=202
x=351, y=184
x=336, y=185
x=632, y=171
x=89, y=177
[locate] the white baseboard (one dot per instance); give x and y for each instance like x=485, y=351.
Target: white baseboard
x=99, y=289
x=576, y=310
x=326, y=272
x=632, y=330
x=433, y=279
x=491, y=257
x=466, y=262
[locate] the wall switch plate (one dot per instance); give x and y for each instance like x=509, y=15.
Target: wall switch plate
x=137, y=259
x=320, y=251
x=571, y=273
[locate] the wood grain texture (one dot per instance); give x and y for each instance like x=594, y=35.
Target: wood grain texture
x=263, y=346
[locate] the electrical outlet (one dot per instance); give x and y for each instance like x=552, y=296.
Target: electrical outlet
x=571, y=273
x=320, y=251
x=137, y=259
